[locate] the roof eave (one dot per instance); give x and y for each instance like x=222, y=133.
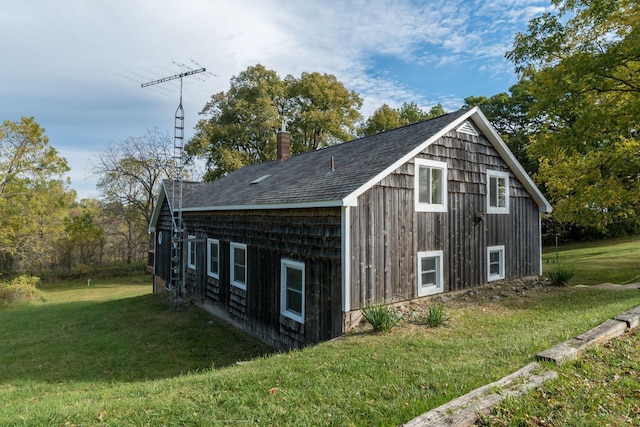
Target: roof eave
x=267, y=206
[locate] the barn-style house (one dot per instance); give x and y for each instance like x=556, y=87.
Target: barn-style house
x=290, y=249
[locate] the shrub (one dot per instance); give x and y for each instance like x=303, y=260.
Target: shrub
x=380, y=317
x=20, y=289
x=432, y=317
x=435, y=316
x=560, y=276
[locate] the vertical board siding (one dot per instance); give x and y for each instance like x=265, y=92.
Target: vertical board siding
x=387, y=233
x=311, y=236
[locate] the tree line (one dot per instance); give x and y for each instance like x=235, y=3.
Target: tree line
x=571, y=120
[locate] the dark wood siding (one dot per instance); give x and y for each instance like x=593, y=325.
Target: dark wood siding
x=387, y=232
x=311, y=236
x=163, y=249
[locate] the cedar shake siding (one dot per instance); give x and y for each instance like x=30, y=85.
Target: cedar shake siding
x=301, y=243
x=387, y=232
x=309, y=236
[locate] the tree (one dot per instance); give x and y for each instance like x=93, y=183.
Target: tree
x=130, y=174
x=241, y=124
x=33, y=195
x=84, y=240
x=323, y=112
x=387, y=118
x=510, y=115
x=582, y=62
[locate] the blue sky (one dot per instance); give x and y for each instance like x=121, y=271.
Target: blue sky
x=77, y=65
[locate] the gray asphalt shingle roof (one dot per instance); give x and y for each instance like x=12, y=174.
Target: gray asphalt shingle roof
x=308, y=177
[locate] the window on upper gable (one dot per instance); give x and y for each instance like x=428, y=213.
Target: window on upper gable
x=191, y=252
x=495, y=263
x=213, y=258
x=497, y=192
x=430, y=184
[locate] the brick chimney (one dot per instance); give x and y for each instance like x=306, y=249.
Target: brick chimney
x=283, y=146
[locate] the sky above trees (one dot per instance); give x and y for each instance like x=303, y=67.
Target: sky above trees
x=77, y=66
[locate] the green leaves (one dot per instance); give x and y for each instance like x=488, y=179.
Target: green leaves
x=582, y=65
x=242, y=124
x=32, y=195
x=387, y=118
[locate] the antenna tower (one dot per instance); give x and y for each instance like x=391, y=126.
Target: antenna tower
x=176, y=282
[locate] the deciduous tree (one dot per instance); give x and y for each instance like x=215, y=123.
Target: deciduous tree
x=582, y=62
x=130, y=173
x=511, y=116
x=241, y=124
x=33, y=195
x=387, y=118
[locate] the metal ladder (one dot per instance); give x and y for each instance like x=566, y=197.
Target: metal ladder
x=176, y=283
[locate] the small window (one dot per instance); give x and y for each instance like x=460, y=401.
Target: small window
x=239, y=265
x=497, y=192
x=292, y=290
x=430, y=186
x=213, y=258
x=430, y=273
x=495, y=263
x=191, y=252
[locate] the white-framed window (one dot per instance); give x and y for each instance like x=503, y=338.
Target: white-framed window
x=430, y=279
x=497, y=192
x=495, y=263
x=191, y=252
x=430, y=184
x=213, y=258
x=238, y=265
x=292, y=289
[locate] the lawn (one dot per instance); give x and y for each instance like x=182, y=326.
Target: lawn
x=609, y=261
x=114, y=354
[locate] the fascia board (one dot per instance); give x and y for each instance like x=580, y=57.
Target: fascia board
x=501, y=147
x=351, y=199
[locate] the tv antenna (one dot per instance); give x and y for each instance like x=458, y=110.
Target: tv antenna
x=176, y=282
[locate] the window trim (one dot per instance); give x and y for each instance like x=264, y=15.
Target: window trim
x=501, y=274
x=439, y=286
x=210, y=272
x=191, y=252
x=288, y=263
x=232, y=272
x=497, y=209
x=430, y=207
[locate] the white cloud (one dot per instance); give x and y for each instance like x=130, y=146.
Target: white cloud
x=77, y=65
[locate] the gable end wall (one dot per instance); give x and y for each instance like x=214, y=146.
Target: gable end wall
x=387, y=233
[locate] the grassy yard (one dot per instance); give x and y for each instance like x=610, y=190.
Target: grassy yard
x=112, y=354
x=610, y=261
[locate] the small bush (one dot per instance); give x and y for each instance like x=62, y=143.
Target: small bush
x=435, y=316
x=20, y=289
x=380, y=317
x=560, y=276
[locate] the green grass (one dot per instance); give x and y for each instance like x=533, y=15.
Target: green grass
x=602, y=388
x=609, y=261
x=112, y=354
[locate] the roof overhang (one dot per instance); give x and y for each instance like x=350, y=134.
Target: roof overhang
x=162, y=195
x=267, y=206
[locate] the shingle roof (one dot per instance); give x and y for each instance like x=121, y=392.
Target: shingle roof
x=308, y=180
x=308, y=177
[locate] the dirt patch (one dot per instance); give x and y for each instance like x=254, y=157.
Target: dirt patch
x=615, y=287
x=489, y=293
